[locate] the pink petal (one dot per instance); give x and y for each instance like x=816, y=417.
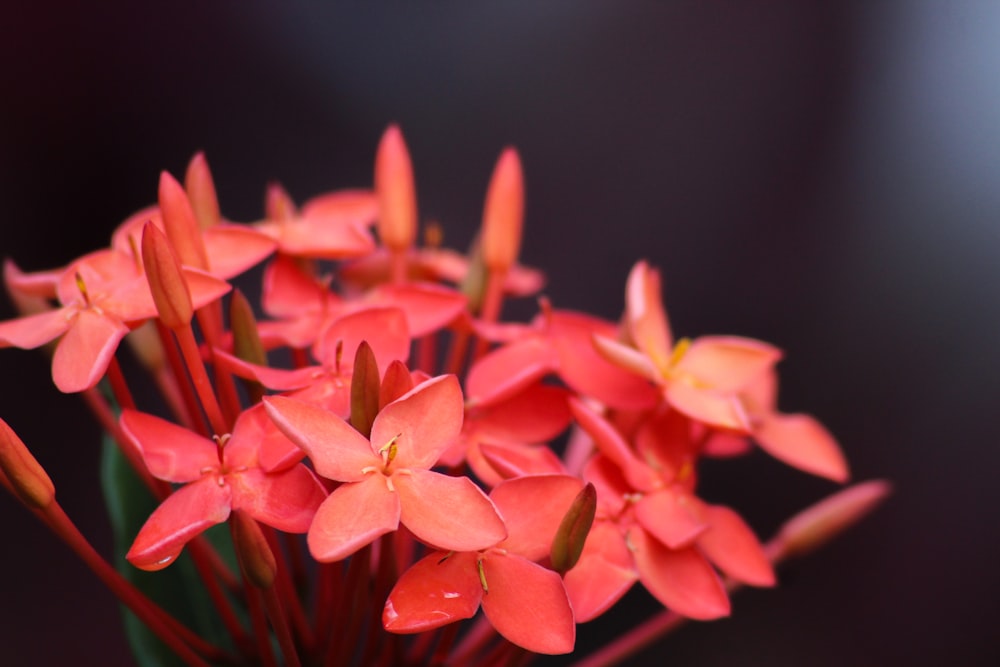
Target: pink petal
x=610, y=442
x=733, y=548
x=508, y=370
x=669, y=517
x=450, y=513
x=493, y=462
x=603, y=574
x=680, y=579
x=204, y=287
x=439, y=589
x=354, y=206
x=647, y=319
x=713, y=408
x=337, y=451
x=171, y=452
x=278, y=379
x=423, y=422
x=179, y=519
x=428, y=307
x=532, y=508
x=83, y=354
x=232, y=249
x=728, y=363
x=288, y=291
x=354, y=515
x=39, y=284
x=627, y=358
x=35, y=330
x=286, y=500
x=527, y=604
x=537, y=414
x=320, y=238
x=384, y=329
x=802, y=442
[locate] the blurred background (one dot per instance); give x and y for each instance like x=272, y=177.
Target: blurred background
x=822, y=176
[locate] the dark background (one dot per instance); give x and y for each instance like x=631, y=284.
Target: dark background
x=823, y=178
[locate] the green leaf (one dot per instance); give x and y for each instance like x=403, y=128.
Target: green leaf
x=178, y=588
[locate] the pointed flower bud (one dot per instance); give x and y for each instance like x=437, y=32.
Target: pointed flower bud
x=180, y=223
x=364, y=390
x=247, y=345
x=503, y=215
x=255, y=556
x=278, y=205
x=573, y=530
x=26, y=476
x=397, y=197
x=816, y=525
x=201, y=191
x=166, y=282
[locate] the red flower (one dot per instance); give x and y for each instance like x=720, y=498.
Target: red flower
x=218, y=477
x=387, y=479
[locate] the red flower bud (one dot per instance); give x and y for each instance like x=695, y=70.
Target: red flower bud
x=397, y=197
x=166, y=282
x=26, y=476
x=503, y=215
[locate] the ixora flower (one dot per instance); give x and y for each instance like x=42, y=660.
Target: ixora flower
x=368, y=446
x=387, y=479
x=219, y=476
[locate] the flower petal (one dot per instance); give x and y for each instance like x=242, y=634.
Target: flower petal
x=733, y=548
x=422, y=423
x=384, y=329
x=171, y=452
x=680, y=579
x=667, y=515
x=450, y=513
x=232, y=249
x=603, y=574
x=719, y=409
x=180, y=518
x=337, y=451
x=532, y=508
x=83, y=354
x=728, y=363
x=35, y=330
x=506, y=371
x=527, y=604
x=439, y=589
x=802, y=442
x=286, y=500
x=353, y=516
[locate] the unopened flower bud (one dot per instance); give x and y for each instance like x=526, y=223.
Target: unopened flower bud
x=166, y=282
x=254, y=553
x=816, y=525
x=364, y=390
x=180, y=223
x=397, y=197
x=278, y=205
x=26, y=476
x=396, y=382
x=503, y=214
x=201, y=192
x=573, y=530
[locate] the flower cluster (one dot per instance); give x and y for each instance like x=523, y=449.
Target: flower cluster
x=437, y=458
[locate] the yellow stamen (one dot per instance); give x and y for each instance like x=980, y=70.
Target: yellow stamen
x=482, y=576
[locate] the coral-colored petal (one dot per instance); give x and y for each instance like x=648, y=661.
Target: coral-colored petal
x=728, y=363
x=423, y=422
x=439, y=589
x=180, y=518
x=286, y=500
x=493, y=462
x=83, y=354
x=506, y=371
x=668, y=516
x=320, y=238
x=34, y=330
x=532, y=508
x=353, y=206
x=647, y=320
x=527, y=604
x=171, y=452
x=39, y=284
x=335, y=448
x=353, y=516
x=428, y=307
x=721, y=410
x=603, y=574
x=802, y=442
x=610, y=442
x=288, y=291
x=680, y=579
x=733, y=548
x=449, y=513
x=627, y=358
x=204, y=287
x=278, y=379
x=232, y=249
x=384, y=329
x=537, y=414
